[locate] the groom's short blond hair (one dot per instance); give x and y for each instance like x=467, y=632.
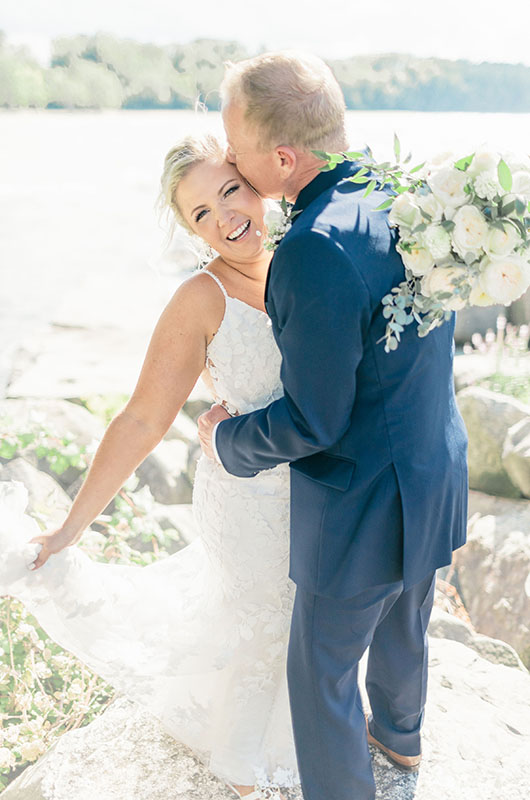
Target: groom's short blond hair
x=289, y=98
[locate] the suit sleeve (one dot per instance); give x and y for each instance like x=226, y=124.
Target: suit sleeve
x=323, y=310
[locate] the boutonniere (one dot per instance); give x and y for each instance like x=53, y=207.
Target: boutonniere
x=278, y=221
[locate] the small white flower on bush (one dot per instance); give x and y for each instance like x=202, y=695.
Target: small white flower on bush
x=505, y=278
x=448, y=186
x=7, y=759
x=470, y=231
x=30, y=751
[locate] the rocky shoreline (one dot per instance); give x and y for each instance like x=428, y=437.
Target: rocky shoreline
x=477, y=732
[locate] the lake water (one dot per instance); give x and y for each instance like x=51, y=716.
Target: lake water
x=80, y=242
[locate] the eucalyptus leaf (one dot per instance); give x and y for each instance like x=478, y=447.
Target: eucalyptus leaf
x=322, y=154
x=370, y=188
x=417, y=168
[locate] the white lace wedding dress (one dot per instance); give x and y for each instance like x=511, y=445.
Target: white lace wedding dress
x=199, y=638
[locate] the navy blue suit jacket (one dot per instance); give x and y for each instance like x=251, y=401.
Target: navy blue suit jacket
x=376, y=444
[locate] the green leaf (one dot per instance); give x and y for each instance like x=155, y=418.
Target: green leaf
x=354, y=155
x=387, y=312
x=336, y=158
x=360, y=179
x=328, y=167
x=520, y=206
x=370, y=188
x=425, y=215
x=505, y=175
x=386, y=204
x=397, y=147
x=391, y=343
x=463, y=164
x=508, y=209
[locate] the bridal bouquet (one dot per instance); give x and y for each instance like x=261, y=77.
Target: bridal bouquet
x=464, y=233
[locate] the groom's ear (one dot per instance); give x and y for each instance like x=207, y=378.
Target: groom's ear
x=286, y=159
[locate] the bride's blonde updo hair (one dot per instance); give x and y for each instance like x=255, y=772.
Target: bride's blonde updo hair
x=180, y=160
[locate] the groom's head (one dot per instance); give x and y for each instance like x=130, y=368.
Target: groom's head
x=277, y=108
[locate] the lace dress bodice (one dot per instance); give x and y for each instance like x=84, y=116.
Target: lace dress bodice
x=242, y=360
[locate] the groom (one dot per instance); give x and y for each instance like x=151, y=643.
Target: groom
x=375, y=442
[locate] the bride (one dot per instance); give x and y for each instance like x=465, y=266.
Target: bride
x=200, y=637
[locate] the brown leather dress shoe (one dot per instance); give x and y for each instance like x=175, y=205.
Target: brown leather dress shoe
x=404, y=763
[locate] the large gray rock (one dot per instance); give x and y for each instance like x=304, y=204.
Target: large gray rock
x=446, y=626
x=48, y=502
x=516, y=455
x=476, y=741
x=488, y=417
x=165, y=471
x=494, y=570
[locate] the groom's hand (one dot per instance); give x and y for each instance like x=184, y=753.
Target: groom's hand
x=206, y=424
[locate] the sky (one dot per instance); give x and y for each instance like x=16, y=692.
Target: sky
x=477, y=30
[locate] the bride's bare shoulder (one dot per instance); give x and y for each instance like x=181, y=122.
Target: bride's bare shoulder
x=198, y=298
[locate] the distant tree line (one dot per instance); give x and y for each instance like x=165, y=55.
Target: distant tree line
x=103, y=71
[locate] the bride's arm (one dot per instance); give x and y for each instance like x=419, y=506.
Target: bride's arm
x=174, y=360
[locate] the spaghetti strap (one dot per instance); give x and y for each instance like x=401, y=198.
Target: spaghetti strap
x=216, y=279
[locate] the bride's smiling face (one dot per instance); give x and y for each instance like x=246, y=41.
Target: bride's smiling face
x=222, y=209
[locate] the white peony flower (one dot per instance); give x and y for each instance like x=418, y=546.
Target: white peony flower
x=447, y=184
x=438, y=241
x=443, y=279
x=505, y=278
x=487, y=185
x=419, y=260
x=478, y=297
x=483, y=161
x=502, y=243
x=470, y=231
x=404, y=211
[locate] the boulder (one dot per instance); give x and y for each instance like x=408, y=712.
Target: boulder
x=516, y=455
x=476, y=740
x=493, y=570
x=446, y=626
x=48, y=502
x=165, y=471
x=488, y=417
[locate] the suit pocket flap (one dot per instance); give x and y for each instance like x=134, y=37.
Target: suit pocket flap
x=330, y=470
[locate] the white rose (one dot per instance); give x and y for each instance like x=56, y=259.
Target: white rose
x=443, y=279
x=438, y=241
x=447, y=184
x=521, y=183
x=273, y=218
x=430, y=205
x=404, y=211
x=505, y=278
x=483, y=161
x=502, y=243
x=470, y=231
x=478, y=297
x=7, y=759
x=487, y=185
x=419, y=260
